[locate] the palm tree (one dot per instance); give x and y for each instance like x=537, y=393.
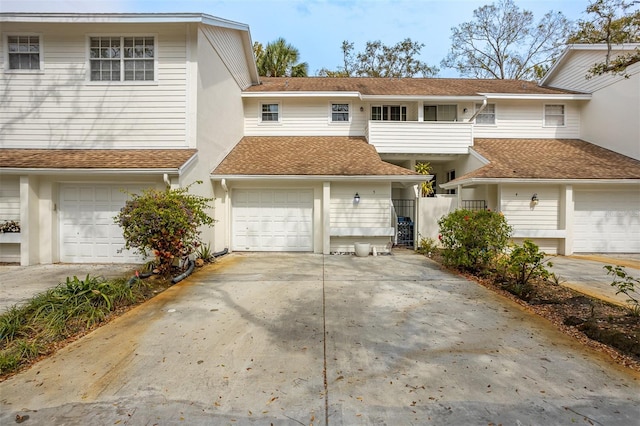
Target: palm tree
x=279, y=59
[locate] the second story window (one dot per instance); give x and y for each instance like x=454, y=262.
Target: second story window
x=270, y=113
x=339, y=112
x=122, y=58
x=389, y=112
x=24, y=52
x=487, y=115
x=554, y=115
x=440, y=113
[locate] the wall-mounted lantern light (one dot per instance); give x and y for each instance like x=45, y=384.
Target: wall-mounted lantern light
x=361, y=109
x=534, y=199
x=356, y=198
x=465, y=110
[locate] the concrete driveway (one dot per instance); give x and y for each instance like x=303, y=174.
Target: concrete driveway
x=21, y=283
x=586, y=274
x=309, y=339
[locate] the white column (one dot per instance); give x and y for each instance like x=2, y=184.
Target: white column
x=326, y=217
x=29, y=220
x=566, y=219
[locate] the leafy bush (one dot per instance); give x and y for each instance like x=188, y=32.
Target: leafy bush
x=164, y=223
x=472, y=240
x=522, y=265
x=626, y=284
x=32, y=329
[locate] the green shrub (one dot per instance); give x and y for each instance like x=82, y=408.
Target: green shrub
x=427, y=246
x=626, y=284
x=32, y=329
x=204, y=252
x=521, y=266
x=164, y=223
x=472, y=240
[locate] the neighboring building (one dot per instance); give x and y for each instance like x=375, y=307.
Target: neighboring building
x=95, y=103
x=295, y=164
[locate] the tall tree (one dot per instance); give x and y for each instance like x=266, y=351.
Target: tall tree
x=504, y=42
x=611, y=22
x=380, y=60
x=279, y=59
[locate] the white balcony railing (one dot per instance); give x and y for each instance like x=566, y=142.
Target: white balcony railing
x=420, y=137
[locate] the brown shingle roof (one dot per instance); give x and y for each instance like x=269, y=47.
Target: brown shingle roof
x=313, y=156
x=551, y=159
x=402, y=87
x=94, y=158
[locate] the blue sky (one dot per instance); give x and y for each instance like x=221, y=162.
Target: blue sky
x=318, y=27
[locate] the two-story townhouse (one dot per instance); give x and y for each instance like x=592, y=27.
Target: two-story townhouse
x=512, y=146
x=587, y=190
x=94, y=104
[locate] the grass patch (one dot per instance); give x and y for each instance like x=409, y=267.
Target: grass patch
x=74, y=307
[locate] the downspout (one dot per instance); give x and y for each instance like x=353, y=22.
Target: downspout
x=223, y=184
x=484, y=105
x=165, y=178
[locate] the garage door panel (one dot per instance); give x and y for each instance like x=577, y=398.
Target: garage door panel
x=87, y=229
x=272, y=220
x=607, y=222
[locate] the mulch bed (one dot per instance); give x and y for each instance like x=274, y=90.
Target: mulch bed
x=603, y=326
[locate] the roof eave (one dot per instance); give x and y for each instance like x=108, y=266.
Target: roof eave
x=132, y=18
x=479, y=181
x=582, y=46
x=304, y=94
x=548, y=96
x=320, y=178
x=101, y=171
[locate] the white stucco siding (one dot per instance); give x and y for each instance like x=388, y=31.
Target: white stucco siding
x=60, y=108
x=9, y=198
x=617, y=105
x=373, y=210
x=525, y=119
x=304, y=117
x=523, y=215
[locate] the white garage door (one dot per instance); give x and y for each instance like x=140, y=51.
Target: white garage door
x=272, y=220
x=607, y=222
x=87, y=230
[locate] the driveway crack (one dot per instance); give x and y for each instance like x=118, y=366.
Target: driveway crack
x=324, y=350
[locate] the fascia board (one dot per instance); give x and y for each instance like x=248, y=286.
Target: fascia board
x=386, y=178
x=187, y=164
x=131, y=172
x=132, y=18
x=478, y=156
x=549, y=97
x=480, y=181
x=422, y=98
x=300, y=95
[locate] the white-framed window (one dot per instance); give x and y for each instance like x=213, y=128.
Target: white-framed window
x=340, y=112
x=441, y=113
x=23, y=52
x=554, y=115
x=270, y=112
x=122, y=58
x=389, y=113
x=487, y=115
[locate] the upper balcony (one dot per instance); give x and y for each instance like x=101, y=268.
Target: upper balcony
x=420, y=137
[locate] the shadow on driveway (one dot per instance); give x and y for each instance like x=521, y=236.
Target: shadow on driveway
x=312, y=339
